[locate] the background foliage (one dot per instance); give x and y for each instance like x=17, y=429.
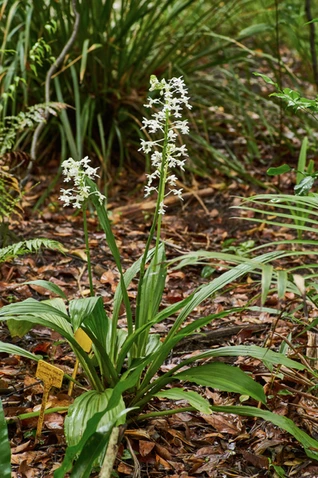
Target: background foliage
x=119, y=44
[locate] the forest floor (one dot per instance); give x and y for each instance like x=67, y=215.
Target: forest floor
x=187, y=445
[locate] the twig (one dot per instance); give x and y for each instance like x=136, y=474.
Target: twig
x=49, y=75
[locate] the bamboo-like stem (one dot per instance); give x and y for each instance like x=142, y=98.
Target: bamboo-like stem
x=111, y=453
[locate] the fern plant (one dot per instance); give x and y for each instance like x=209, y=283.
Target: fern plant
x=10, y=195
x=34, y=115
x=26, y=247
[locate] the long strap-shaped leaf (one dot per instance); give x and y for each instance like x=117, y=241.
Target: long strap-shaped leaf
x=202, y=294
x=5, y=452
x=105, y=224
x=310, y=444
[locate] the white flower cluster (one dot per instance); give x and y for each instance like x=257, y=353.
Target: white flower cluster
x=166, y=120
x=76, y=171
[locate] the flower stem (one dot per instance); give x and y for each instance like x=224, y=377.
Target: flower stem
x=89, y=265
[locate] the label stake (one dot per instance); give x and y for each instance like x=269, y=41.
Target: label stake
x=51, y=376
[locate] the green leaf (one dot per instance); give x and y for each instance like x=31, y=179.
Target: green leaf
x=84, y=407
x=81, y=309
x=90, y=454
x=18, y=328
x=310, y=444
x=267, y=79
x=282, y=280
x=193, y=398
x=49, y=286
x=35, y=308
x=207, y=271
x=5, y=451
x=224, y=377
x=305, y=185
x=254, y=351
x=255, y=30
x=151, y=295
x=284, y=168
x=302, y=160
x=15, y=350
x=267, y=274
x=128, y=380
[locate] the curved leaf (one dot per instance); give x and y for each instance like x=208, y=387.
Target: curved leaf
x=81, y=309
x=224, y=377
x=84, y=407
x=310, y=444
x=15, y=350
x=284, y=168
x=49, y=286
x=193, y=398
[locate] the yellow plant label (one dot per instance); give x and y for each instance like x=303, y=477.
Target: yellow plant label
x=83, y=340
x=49, y=374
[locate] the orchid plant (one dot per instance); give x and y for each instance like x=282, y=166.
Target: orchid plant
x=124, y=366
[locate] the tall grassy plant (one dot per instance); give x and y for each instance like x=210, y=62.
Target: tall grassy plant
x=118, y=46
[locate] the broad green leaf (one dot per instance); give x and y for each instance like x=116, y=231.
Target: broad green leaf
x=150, y=298
x=32, y=311
x=128, y=381
x=5, y=451
x=15, y=350
x=254, y=351
x=41, y=313
x=193, y=398
x=83, y=408
x=18, y=328
x=224, y=377
x=90, y=431
x=33, y=307
x=81, y=309
x=310, y=444
x=284, y=168
x=196, y=299
x=49, y=286
x=92, y=453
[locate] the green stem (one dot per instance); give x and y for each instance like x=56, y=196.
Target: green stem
x=156, y=224
x=89, y=265
x=25, y=416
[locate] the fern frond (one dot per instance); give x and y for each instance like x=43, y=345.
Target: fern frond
x=29, y=246
x=10, y=195
x=25, y=120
